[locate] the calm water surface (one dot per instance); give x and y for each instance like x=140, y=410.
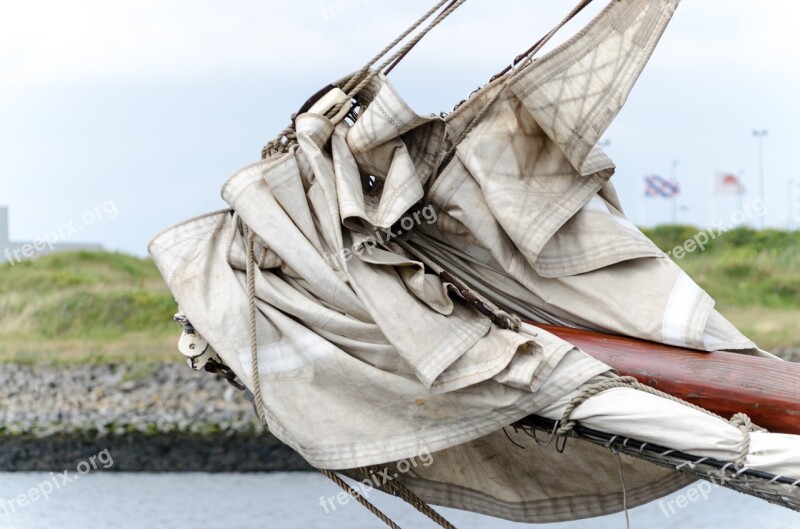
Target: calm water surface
x=292, y=500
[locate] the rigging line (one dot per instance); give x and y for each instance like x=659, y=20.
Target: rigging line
x=366, y=75
x=363, y=76
x=511, y=71
x=250, y=273
x=353, y=80
x=396, y=61
x=359, y=498
x=455, y=4
x=541, y=42
x=624, y=489
x=397, y=488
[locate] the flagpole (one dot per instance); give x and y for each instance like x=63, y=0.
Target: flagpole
x=713, y=206
x=675, y=164
x=740, y=194
x=760, y=135
x=642, y=211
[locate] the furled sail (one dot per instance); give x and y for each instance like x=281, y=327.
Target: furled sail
x=365, y=355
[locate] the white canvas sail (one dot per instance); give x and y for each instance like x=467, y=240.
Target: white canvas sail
x=367, y=357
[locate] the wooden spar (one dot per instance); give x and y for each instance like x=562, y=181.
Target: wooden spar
x=767, y=390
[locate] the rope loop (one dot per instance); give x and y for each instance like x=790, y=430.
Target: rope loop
x=746, y=426
x=566, y=423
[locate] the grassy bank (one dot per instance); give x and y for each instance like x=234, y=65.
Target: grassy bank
x=754, y=276
x=85, y=307
x=107, y=307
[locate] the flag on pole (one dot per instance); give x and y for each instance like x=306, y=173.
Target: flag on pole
x=658, y=186
x=728, y=184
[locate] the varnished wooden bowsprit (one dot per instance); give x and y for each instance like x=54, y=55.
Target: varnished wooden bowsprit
x=767, y=390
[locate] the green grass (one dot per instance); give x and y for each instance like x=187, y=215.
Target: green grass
x=109, y=307
x=85, y=307
x=754, y=276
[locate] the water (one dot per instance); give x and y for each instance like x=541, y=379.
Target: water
x=292, y=500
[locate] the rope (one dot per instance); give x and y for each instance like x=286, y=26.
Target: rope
x=394, y=43
x=538, y=45
x=403, y=492
x=746, y=426
x=402, y=55
x=368, y=75
x=364, y=76
x=359, y=498
x=280, y=144
x=740, y=420
x=251, y=302
x=525, y=59
x=624, y=490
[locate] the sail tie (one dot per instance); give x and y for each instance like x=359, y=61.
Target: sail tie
x=746, y=426
x=740, y=420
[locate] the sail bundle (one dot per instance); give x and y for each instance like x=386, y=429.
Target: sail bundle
x=368, y=281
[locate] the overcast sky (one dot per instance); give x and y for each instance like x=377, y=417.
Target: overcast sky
x=152, y=104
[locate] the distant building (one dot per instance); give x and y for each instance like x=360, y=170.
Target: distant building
x=53, y=241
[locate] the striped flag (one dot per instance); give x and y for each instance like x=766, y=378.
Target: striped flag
x=658, y=186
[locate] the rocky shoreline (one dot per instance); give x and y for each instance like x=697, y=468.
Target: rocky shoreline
x=155, y=418
x=162, y=417
x=791, y=354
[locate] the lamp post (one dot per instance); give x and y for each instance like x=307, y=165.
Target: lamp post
x=759, y=136
x=675, y=164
